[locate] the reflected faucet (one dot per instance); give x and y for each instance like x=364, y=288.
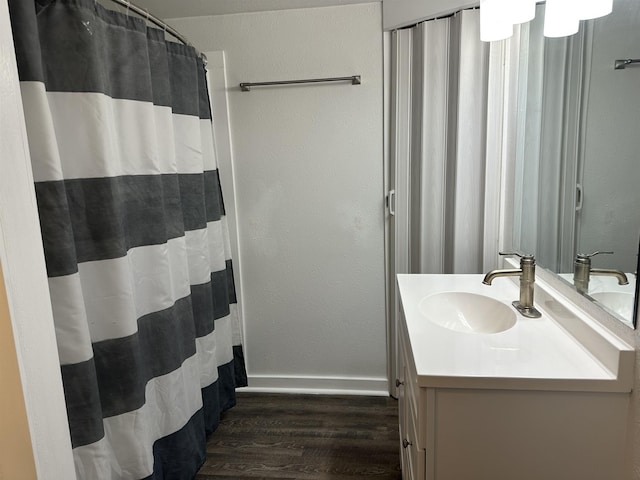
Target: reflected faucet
x=582, y=272
x=527, y=274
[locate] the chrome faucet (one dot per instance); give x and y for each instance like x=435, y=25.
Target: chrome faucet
x=582, y=272
x=527, y=274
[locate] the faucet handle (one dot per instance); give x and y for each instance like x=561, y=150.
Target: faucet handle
x=582, y=256
x=527, y=256
x=585, y=259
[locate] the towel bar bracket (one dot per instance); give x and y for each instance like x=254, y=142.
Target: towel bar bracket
x=623, y=63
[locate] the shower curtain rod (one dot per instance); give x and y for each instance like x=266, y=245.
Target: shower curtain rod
x=156, y=21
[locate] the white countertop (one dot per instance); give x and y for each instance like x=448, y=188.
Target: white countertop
x=607, y=284
x=536, y=353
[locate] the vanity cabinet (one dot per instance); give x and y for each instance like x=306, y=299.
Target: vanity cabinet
x=503, y=433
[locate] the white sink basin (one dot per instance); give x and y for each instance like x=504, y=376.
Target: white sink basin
x=467, y=312
x=618, y=302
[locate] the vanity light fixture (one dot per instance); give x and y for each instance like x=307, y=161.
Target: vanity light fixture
x=562, y=17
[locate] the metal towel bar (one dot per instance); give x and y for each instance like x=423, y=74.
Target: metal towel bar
x=354, y=79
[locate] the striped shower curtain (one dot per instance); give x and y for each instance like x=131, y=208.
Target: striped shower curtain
x=135, y=237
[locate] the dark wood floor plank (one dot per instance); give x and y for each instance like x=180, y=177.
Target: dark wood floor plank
x=250, y=444
x=299, y=471
x=305, y=437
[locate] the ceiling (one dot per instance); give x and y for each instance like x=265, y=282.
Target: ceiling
x=195, y=8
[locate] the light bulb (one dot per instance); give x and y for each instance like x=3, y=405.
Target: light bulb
x=587, y=9
x=521, y=11
x=560, y=19
x=495, y=21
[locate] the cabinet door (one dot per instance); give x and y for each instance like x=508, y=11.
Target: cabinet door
x=413, y=457
x=403, y=421
x=403, y=407
x=412, y=452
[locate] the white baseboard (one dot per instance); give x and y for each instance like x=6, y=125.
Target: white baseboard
x=377, y=387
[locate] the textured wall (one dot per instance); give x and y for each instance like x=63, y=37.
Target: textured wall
x=25, y=282
x=309, y=189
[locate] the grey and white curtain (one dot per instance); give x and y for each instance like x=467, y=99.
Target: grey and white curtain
x=447, y=147
x=548, y=159
x=135, y=237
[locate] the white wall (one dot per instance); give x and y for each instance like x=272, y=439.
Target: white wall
x=25, y=282
x=610, y=218
x=400, y=13
x=309, y=188
x=198, y=8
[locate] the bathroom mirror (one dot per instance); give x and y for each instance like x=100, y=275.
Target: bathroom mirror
x=577, y=174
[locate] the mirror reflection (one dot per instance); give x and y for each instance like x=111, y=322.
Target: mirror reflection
x=578, y=155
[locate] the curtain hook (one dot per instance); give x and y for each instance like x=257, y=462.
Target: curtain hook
x=128, y=5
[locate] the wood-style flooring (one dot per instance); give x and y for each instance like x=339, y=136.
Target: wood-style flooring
x=305, y=437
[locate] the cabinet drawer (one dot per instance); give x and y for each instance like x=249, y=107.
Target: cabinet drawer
x=414, y=458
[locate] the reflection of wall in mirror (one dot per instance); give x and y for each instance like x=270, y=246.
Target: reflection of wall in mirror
x=610, y=216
